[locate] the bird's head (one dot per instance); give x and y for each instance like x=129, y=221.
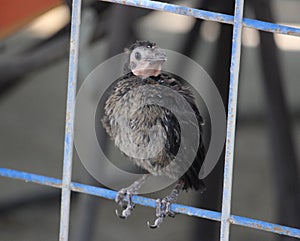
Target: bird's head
x=145, y=59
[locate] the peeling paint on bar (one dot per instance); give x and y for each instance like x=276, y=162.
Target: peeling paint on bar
x=148, y=202
x=231, y=119
x=69, y=126
x=265, y=226
x=271, y=27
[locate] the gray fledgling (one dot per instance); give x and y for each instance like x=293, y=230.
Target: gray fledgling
x=133, y=124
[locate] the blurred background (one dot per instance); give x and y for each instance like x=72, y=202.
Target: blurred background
x=34, y=48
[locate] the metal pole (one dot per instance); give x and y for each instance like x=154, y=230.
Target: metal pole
x=69, y=128
x=231, y=119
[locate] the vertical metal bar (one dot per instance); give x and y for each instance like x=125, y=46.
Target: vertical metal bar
x=231, y=121
x=69, y=127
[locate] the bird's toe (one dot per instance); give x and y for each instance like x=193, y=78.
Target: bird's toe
x=124, y=199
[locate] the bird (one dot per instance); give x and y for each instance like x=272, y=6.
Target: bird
x=132, y=129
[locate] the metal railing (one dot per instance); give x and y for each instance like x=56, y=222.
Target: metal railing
x=225, y=217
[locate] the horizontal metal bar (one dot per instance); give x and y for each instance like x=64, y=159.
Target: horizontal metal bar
x=265, y=226
x=105, y=193
x=30, y=177
x=187, y=210
x=207, y=15
x=270, y=27
x=148, y=202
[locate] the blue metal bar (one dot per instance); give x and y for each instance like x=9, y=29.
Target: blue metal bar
x=69, y=127
x=265, y=226
x=207, y=15
x=270, y=27
x=231, y=119
x=30, y=177
x=187, y=210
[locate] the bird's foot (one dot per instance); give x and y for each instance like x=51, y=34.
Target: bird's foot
x=124, y=199
x=124, y=196
x=163, y=209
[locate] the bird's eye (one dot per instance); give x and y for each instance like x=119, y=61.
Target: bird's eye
x=137, y=56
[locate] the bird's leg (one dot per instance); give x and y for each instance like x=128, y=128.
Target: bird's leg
x=124, y=196
x=163, y=206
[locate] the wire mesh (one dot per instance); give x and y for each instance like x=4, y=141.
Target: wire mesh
x=225, y=217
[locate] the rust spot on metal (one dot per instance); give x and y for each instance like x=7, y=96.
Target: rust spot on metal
x=289, y=32
x=281, y=230
x=182, y=209
x=278, y=229
x=275, y=229
x=219, y=19
x=77, y=189
x=55, y=185
x=68, y=116
x=258, y=226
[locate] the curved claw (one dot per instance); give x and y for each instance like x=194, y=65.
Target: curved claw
x=125, y=213
x=128, y=205
x=119, y=215
x=156, y=224
x=171, y=214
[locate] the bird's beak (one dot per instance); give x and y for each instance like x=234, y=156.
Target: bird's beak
x=158, y=56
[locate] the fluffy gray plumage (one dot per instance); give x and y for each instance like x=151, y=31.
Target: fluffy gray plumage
x=150, y=134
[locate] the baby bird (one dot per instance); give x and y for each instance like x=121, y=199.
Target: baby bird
x=148, y=133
